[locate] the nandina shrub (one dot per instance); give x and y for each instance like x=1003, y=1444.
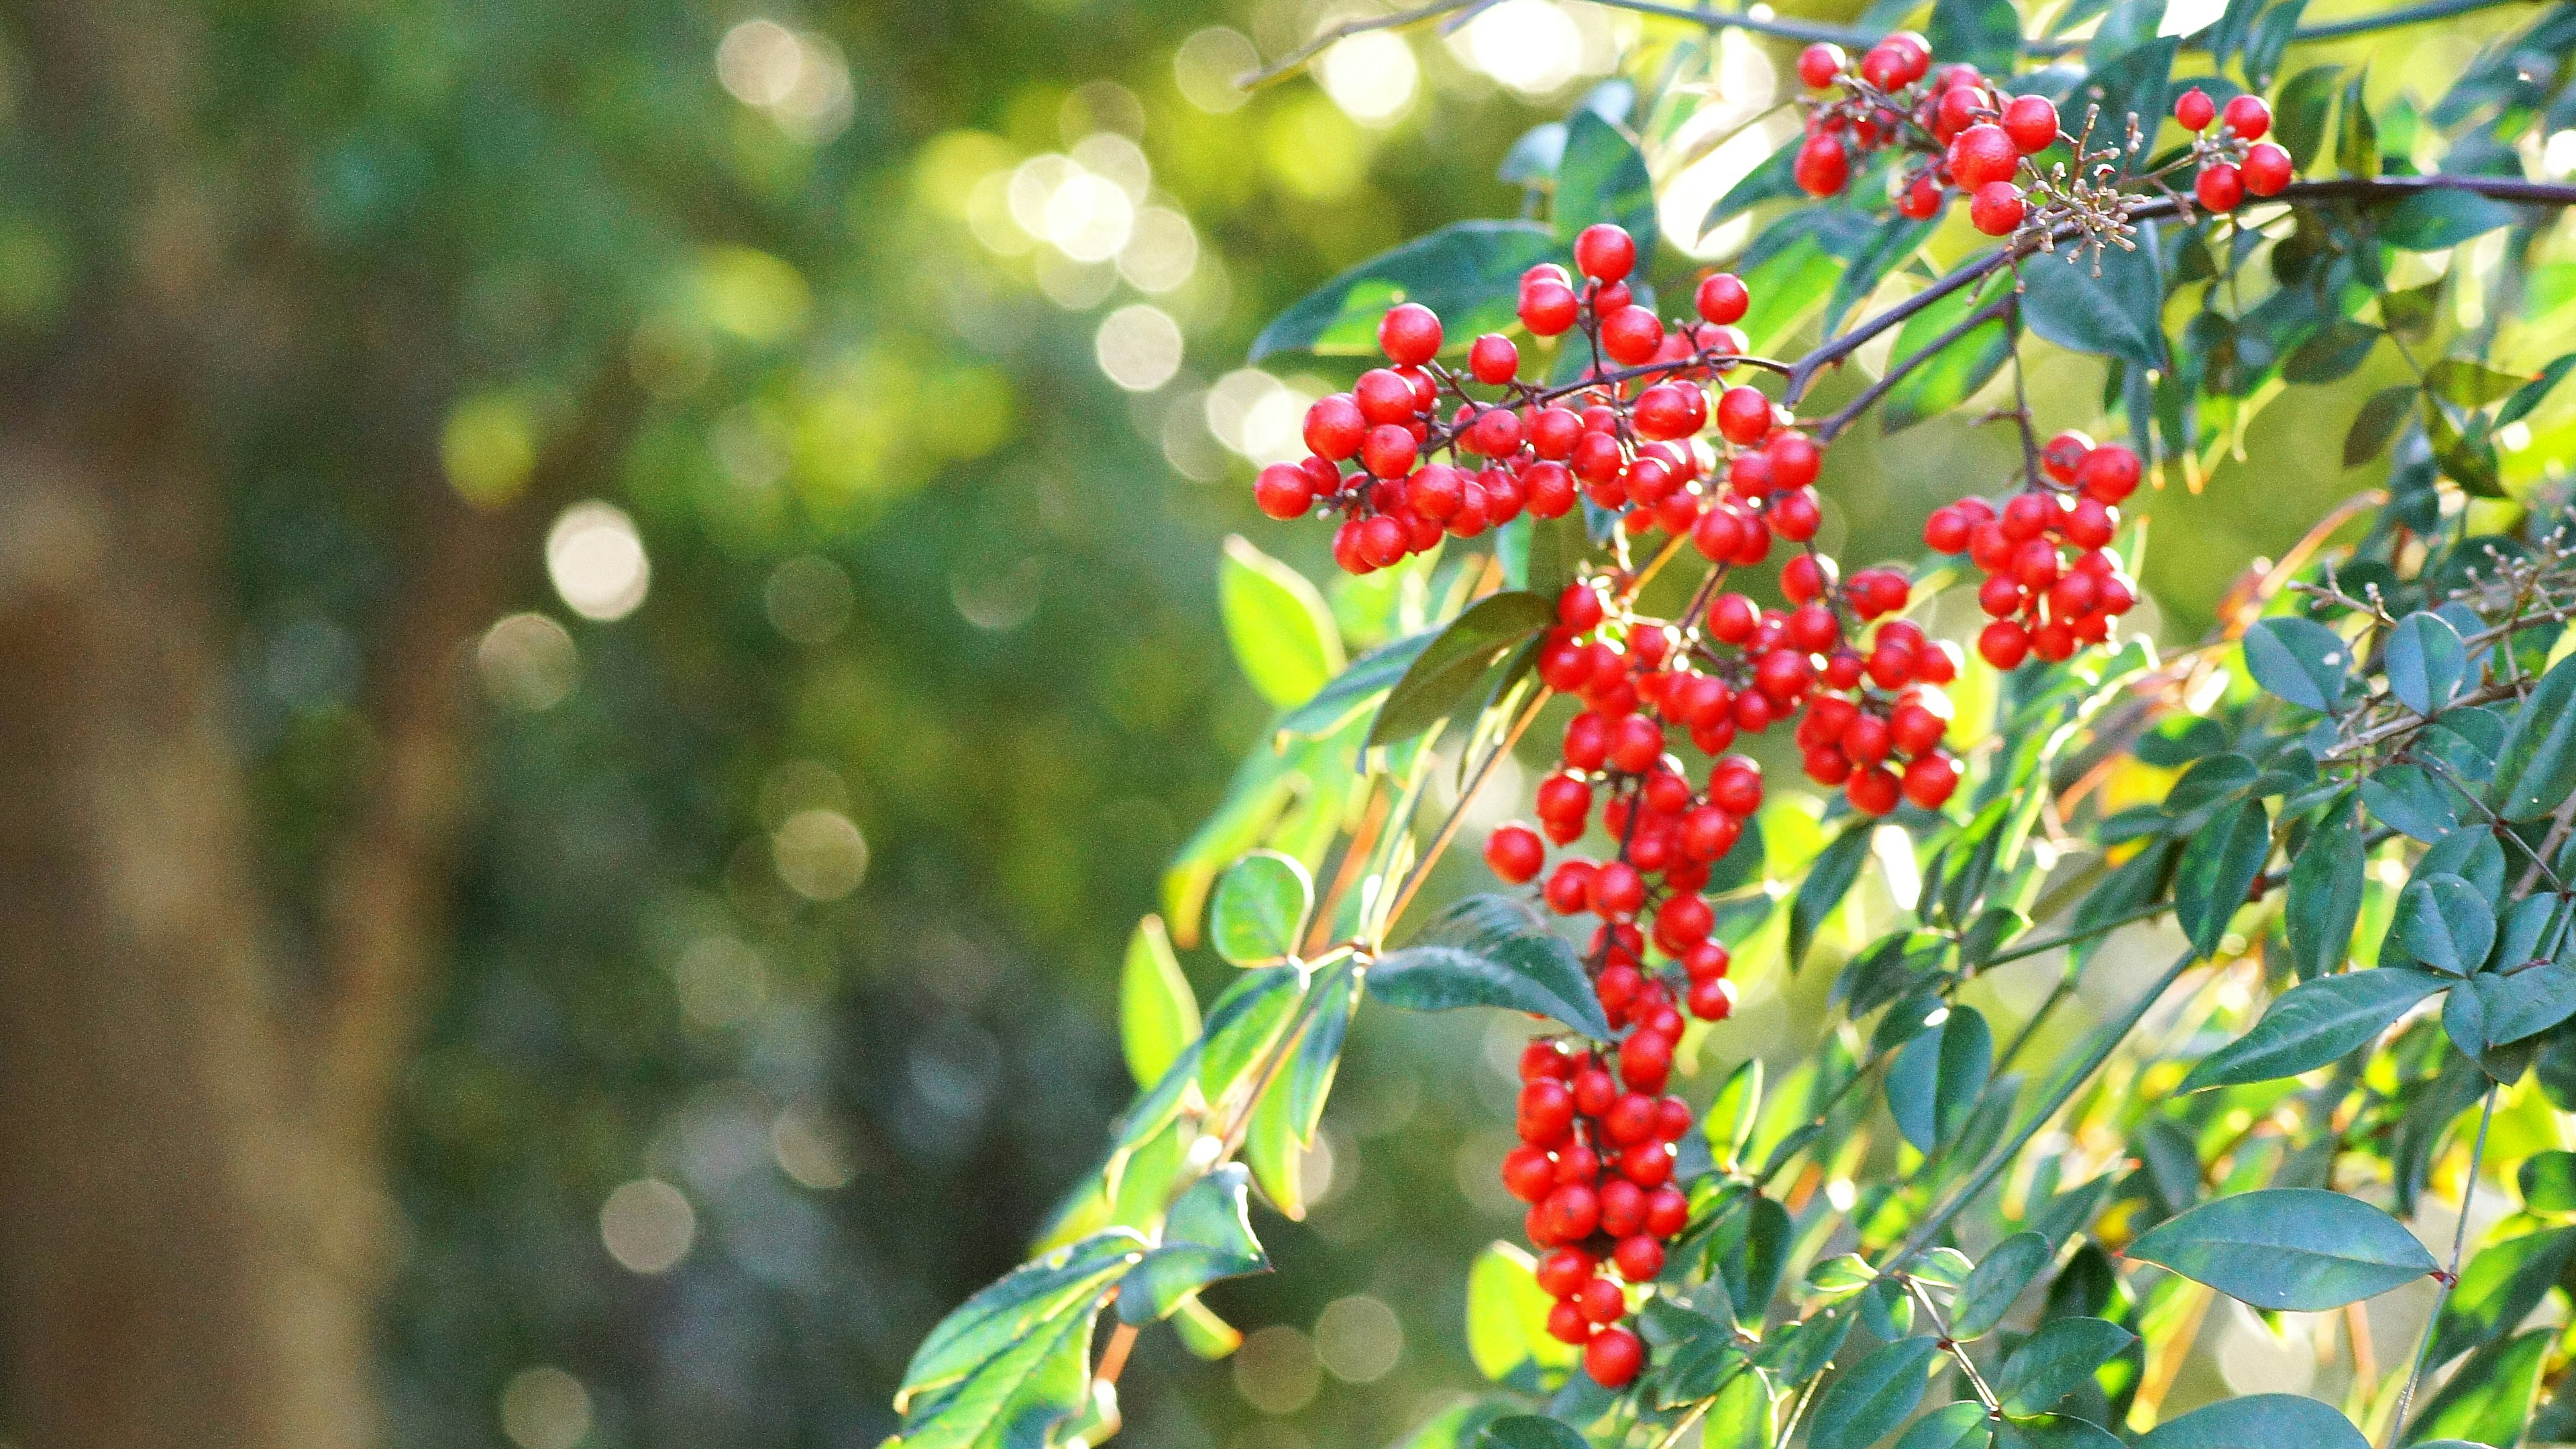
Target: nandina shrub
x=2353, y=800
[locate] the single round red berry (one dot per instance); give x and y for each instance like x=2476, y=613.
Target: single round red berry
x=1283, y=491
x=1494, y=359
x=2267, y=169
x=1820, y=63
x=1983, y=153
x=1631, y=335
x=1384, y=540
x=2063, y=455
x=1712, y=999
x=1335, y=425
x=2248, y=117
x=2031, y=121
x=1920, y=200
x=1409, y=334
x=1638, y=1257
x=1822, y=168
x=1528, y=1174
x=1548, y=308
x=1566, y=1323
x=1614, y=1357
x=1872, y=791
x=1743, y=415
x=1996, y=208
x=2194, y=109
x=1722, y=298
x=1604, y=252
x=2221, y=187
x=1601, y=1301
x=1516, y=853
x=2003, y=644
x=1564, y=1272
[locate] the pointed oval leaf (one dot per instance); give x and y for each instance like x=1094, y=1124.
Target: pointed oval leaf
x=2217, y=872
x=2446, y=923
x=1282, y=633
x=2058, y=1359
x=1952, y=1426
x=1446, y=674
x=1158, y=1016
x=1507, y=1316
x=1260, y=909
x=2411, y=802
x=1469, y=272
x=1868, y=1402
x=1490, y=951
x=1997, y=1284
x=1603, y=177
x=1208, y=1236
x=2299, y=660
x=2258, y=1421
x=2297, y=1248
x=2117, y=314
x=2426, y=661
x=2326, y=884
x=2314, y=1023
x=2536, y=768
x=1530, y=1431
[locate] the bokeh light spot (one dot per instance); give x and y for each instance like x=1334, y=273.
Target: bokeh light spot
x=527, y=662
x=597, y=561
x=545, y=1408
x=820, y=854
x=1371, y=76
x=808, y=599
x=812, y=1149
x=1209, y=67
x=1276, y=1371
x=488, y=447
x=1358, y=1339
x=1139, y=347
x=647, y=1226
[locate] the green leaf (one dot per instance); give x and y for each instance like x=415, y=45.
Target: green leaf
x=2314, y=1023
x=1997, y=1284
x=2428, y=221
x=2299, y=660
x=1530, y=1431
x=1469, y=272
x=2524, y=1003
x=2117, y=314
x=1158, y=1015
x=2488, y=1400
x=2053, y=1431
x=2258, y=1421
x=2548, y=1182
x=1447, y=673
x=1934, y=1082
x=2326, y=883
x=1020, y=1396
x=1952, y=1426
x=1829, y=879
x=1490, y=951
x=2297, y=1248
x=1507, y=1319
x=2530, y=395
x=1734, y=1114
x=2299, y=115
x=2357, y=142
x=1242, y=1023
x=2217, y=871
x=1073, y=1277
x=2464, y=448
x=1207, y=1237
x=2426, y=661
x=1603, y=178
x=2411, y=802
x=2470, y=383
x=1369, y=676
x=2056, y=1361
x=1866, y=1403
x=2499, y=1288
x=2536, y=768
x=1282, y=633
x=2445, y=922
x=1776, y=177
x=1984, y=33
x=2208, y=781
x=2332, y=354
x=1260, y=909
x=1945, y=381
x=2377, y=422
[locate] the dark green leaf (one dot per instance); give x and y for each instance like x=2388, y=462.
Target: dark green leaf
x=1829, y=879
x=2208, y=781
x=1207, y=1237
x=2313, y=1023
x=2411, y=802
x=2332, y=354
x=2299, y=114
x=2426, y=661
x=2411, y=313
x=1469, y=272
x=1534, y=157
x=1934, y=1082
x=1984, y=33
x=1530, y=1431
x=1946, y=380
x=2117, y=314
x=1370, y=675
x=2526, y=1002
x=1952, y=1426
x=2445, y=923
x=2536, y=768
x=2529, y=396
x=1867, y=1403
x=2377, y=422
x=1731, y=1118
x=2258, y=1421
x=2428, y=221
x=1490, y=951
x=1603, y=178
x=2055, y=1361
x=2326, y=883
x=2053, y=1431
x=2548, y=1181
x=2299, y=660
x=1997, y=1284
x=2217, y=871
x=2297, y=1248
x=1446, y=674
x=1260, y=909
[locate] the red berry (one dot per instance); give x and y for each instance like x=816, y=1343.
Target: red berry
x=1496, y=433
x=2194, y=109
x=1648, y=1164
x=1821, y=168
x=1743, y=415
x=1283, y=491
x=1409, y=334
x=1564, y=1272
x=1639, y=1257
x=1921, y=198
x=1570, y=1213
x=1631, y=334
x=2267, y=169
x=1515, y=853
x=1946, y=530
x=1546, y=1112
x=1335, y=426
x=1600, y=1301
x=2031, y=121
x=1614, y=1357
x=1996, y=208
x=1548, y=308
x=1671, y=410
x=2221, y=187
x=1645, y=1063
x=1722, y=298
x=1732, y=618
x=1795, y=460
x=1604, y=252
x=1795, y=516
x=1528, y=1175
x=1595, y=1089
x=1957, y=110
x=1569, y=886
x=1384, y=540
x=2064, y=454
x=1683, y=922
x=1384, y=396
x=1819, y=64
x=1493, y=359
x=1635, y=744
x=1983, y=153
x=1548, y=490
x=1566, y=1324
x=2248, y=117
x=1667, y=1211
x=1712, y=999
x=2003, y=644
x=1872, y=791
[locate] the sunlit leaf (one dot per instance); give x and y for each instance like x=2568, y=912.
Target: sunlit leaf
x=1260, y=909
x=2297, y=1248
x=2258, y=1421
x=1490, y=951
x=1158, y=1015
x=1469, y=272
x=1448, y=673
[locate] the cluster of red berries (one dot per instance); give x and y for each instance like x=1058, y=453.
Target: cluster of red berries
x=1595, y=1164
x=1620, y=436
x=2222, y=185
x=2043, y=602
x=1973, y=136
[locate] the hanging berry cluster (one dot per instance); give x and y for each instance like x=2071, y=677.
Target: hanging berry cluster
x=2043, y=601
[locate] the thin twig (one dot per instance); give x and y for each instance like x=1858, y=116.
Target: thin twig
x=2449, y=1276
